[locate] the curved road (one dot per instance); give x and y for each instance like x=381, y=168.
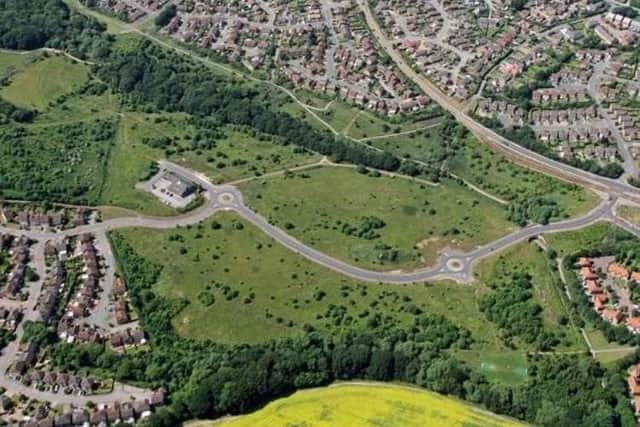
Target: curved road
x=497, y=142
x=454, y=265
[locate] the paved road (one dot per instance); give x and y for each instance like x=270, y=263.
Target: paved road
x=508, y=148
x=120, y=392
x=454, y=265
x=451, y=264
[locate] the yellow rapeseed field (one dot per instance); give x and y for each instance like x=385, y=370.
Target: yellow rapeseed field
x=366, y=405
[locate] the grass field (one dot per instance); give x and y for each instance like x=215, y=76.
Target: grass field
x=45, y=81
x=239, y=155
x=129, y=163
x=630, y=213
x=570, y=242
x=320, y=206
x=262, y=290
x=11, y=63
x=370, y=405
x=349, y=120
x=607, y=352
x=236, y=155
x=491, y=172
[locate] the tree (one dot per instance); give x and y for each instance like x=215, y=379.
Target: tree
x=167, y=14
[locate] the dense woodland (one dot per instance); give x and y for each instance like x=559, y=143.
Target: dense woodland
x=65, y=163
x=32, y=24
x=519, y=317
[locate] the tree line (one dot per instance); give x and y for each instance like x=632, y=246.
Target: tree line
x=207, y=380
x=152, y=75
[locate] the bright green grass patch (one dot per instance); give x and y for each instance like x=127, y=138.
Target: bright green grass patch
x=331, y=208
x=348, y=120
x=505, y=367
x=234, y=155
x=491, y=172
x=606, y=352
x=243, y=287
x=368, y=125
x=11, y=63
x=79, y=108
x=113, y=25
x=44, y=81
x=130, y=163
x=547, y=289
x=570, y=242
x=240, y=156
x=367, y=405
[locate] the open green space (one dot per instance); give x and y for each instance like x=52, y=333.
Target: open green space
x=229, y=155
x=570, y=242
x=377, y=222
x=238, y=155
x=366, y=405
x=80, y=108
x=244, y=287
x=11, y=63
x=45, y=81
x=351, y=121
x=607, y=352
x=497, y=175
x=131, y=162
x=475, y=163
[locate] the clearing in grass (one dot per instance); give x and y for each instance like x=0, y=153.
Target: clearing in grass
x=366, y=405
x=630, y=213
x=377, y=222
x=570, y=242
x=13, y=62
x=607, y=352
x=506, y=366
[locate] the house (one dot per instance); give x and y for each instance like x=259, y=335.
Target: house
x=588, y=274
x=593, y=287
x=612, y=316
x=634, y=386
x=618, y=271
x=119, y=287
x=585, y=262
x=179, y=186
x=633, y=324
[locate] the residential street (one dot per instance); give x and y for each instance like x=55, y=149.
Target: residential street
x=498, y=143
